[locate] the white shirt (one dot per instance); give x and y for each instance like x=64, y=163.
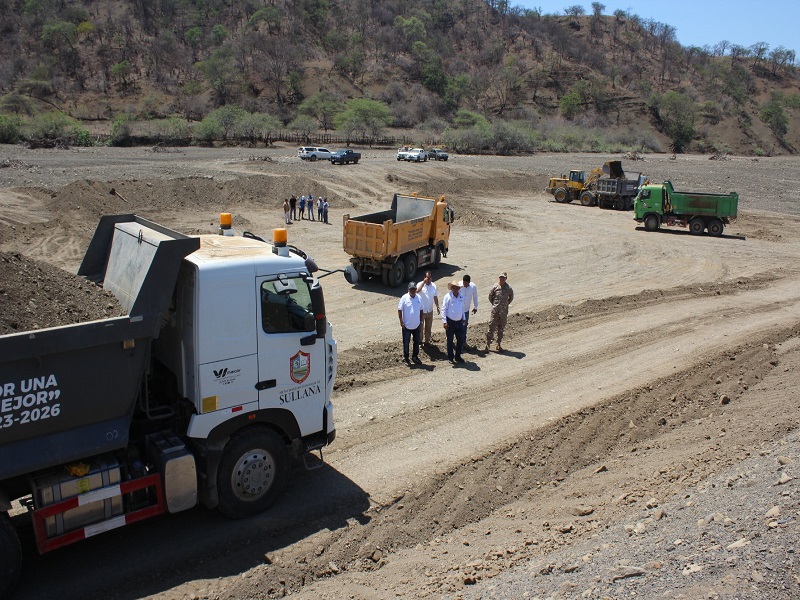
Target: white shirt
x=452, y=308
x=427, y=293
x=470, y=294
x=411, y=309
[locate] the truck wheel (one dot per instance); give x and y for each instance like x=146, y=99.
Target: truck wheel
x=696, y=226
x=396, y=273
x=560, y=195
x=651, y=223
x=715, y=227
x=10, y=556
x=436, y=257
x=410, y=264
x=252, y=472
x=587, y=199
x=313, y=158
x=355, y=162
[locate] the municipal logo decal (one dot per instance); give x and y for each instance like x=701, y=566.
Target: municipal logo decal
x=300, y=366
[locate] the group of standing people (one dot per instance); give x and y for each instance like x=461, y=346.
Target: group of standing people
x=306, y=205
x=415, y=311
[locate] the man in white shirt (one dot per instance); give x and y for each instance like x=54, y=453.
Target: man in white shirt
x=409, y=311
x=469, y=293
x=453, y=319
x=427, y=292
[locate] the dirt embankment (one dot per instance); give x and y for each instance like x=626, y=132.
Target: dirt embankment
x=638, y=436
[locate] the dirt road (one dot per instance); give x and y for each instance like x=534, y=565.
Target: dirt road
x=638, y=366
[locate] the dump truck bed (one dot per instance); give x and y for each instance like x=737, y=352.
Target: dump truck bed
x=407, y=226
x=703, y=203
x=69, y=392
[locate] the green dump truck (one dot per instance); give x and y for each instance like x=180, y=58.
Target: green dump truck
x=660, y=204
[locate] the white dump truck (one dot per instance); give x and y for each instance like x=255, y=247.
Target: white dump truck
x=221, y=370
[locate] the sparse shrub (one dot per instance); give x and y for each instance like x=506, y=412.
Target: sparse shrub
x=173, y=131
x=121, y=130
x=10, y=127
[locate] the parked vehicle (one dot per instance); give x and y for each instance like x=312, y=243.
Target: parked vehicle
x=402, y=153
x=658, y=205
x=417, y=155
x=343, y=157
x=314, y=153
x=221, y=371
x=434, y=154
x=393, y=244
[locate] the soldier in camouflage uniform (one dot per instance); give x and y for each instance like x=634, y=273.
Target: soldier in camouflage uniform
x=500, y=296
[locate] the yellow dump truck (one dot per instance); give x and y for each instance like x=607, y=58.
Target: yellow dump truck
x=393, y=244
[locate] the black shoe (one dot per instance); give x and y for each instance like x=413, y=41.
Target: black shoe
x=408, y=362
x=416, y=360
x=451, y=361
x=459, y=360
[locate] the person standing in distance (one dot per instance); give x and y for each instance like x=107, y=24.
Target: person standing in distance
x=409, y=311
x=500, y=296
x=469, y=293
x=293, y=208
x=453, y=319
x=429, y=295
x=286, y=212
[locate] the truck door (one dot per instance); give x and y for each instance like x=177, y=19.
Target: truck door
x=291, y=357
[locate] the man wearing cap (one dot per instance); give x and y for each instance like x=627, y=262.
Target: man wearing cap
x=409, y=311
x=453, y=319
x=500, y=296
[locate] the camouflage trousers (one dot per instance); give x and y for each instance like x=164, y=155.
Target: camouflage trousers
x=497, y=323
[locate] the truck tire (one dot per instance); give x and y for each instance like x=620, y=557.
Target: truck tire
x=587, y=199
x=696, y=226
x=10, y=556
x=436, y=257
x=560, y=194
x=716, y=227
x=396, y=273
x=651, y=223
x=313, y=158
x=253, y=471
x=410, y=265
x=355, y=162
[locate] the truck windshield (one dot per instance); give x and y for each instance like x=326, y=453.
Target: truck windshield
x=286, y=306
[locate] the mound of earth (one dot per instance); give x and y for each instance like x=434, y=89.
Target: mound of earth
x=36, y=295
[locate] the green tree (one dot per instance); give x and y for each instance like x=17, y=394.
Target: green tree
x=772, y=114
x=268, y=15
x=322, y=107
x=221, y=74
x=570, y=104
x=412, y=29
x=229, y=118
x=219, y=34
x=304, y=125
x=465, y=119
x=676, y=113
x=257, y=127
x=363, y=118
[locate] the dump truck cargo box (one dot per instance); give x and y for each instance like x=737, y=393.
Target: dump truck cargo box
x=69, y=392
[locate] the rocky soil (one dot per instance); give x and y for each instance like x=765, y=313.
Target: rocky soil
x=638, y=437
